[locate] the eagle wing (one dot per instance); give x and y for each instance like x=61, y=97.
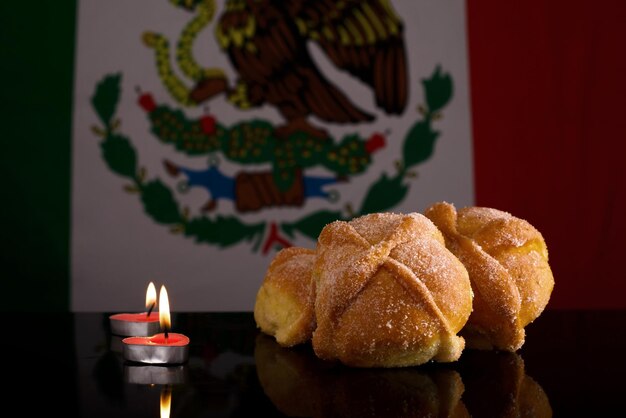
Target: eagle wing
x=363, y=37
x=270, y=55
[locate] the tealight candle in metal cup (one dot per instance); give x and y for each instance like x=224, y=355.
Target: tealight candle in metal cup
x=137, y=324
x=163, y=348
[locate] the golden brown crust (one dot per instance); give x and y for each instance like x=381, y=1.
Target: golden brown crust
x=507, y=261
x=284, y=306
x=388, y=293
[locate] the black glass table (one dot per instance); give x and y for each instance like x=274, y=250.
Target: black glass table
x=69, y=364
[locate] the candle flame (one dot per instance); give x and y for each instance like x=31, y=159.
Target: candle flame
x=166, y=402
x=164, y=310
x=151, y=297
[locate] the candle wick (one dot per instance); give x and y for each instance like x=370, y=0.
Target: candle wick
x=151, y=308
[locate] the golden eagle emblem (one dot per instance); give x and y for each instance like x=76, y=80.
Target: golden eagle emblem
x=266, y=42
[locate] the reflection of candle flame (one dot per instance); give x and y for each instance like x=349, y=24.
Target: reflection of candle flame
x=166, y=402
x=151, y=297
x=164, y=311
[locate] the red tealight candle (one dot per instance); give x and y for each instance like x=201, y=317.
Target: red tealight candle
x=138, y=324
x=163, y=348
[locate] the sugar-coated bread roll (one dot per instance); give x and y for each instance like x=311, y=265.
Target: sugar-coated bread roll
x=284, y=306
x=388, y=293
x=507, y=261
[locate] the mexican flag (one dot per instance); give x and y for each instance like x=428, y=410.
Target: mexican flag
x=186, y=142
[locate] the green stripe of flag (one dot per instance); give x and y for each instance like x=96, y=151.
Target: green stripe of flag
x=37, y=49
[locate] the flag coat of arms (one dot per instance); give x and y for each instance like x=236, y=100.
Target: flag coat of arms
x=208, y=135
x=186, y=142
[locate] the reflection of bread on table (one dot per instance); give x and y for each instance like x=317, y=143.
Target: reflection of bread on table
x=292, y=378
x=300, y=384
x=496, y=385
x=284, y=306
x=507, y=261
x=388, y=293
x=405, y=392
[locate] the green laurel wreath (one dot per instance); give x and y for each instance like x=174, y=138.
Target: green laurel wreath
x=254, y=142
x=223, y=231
